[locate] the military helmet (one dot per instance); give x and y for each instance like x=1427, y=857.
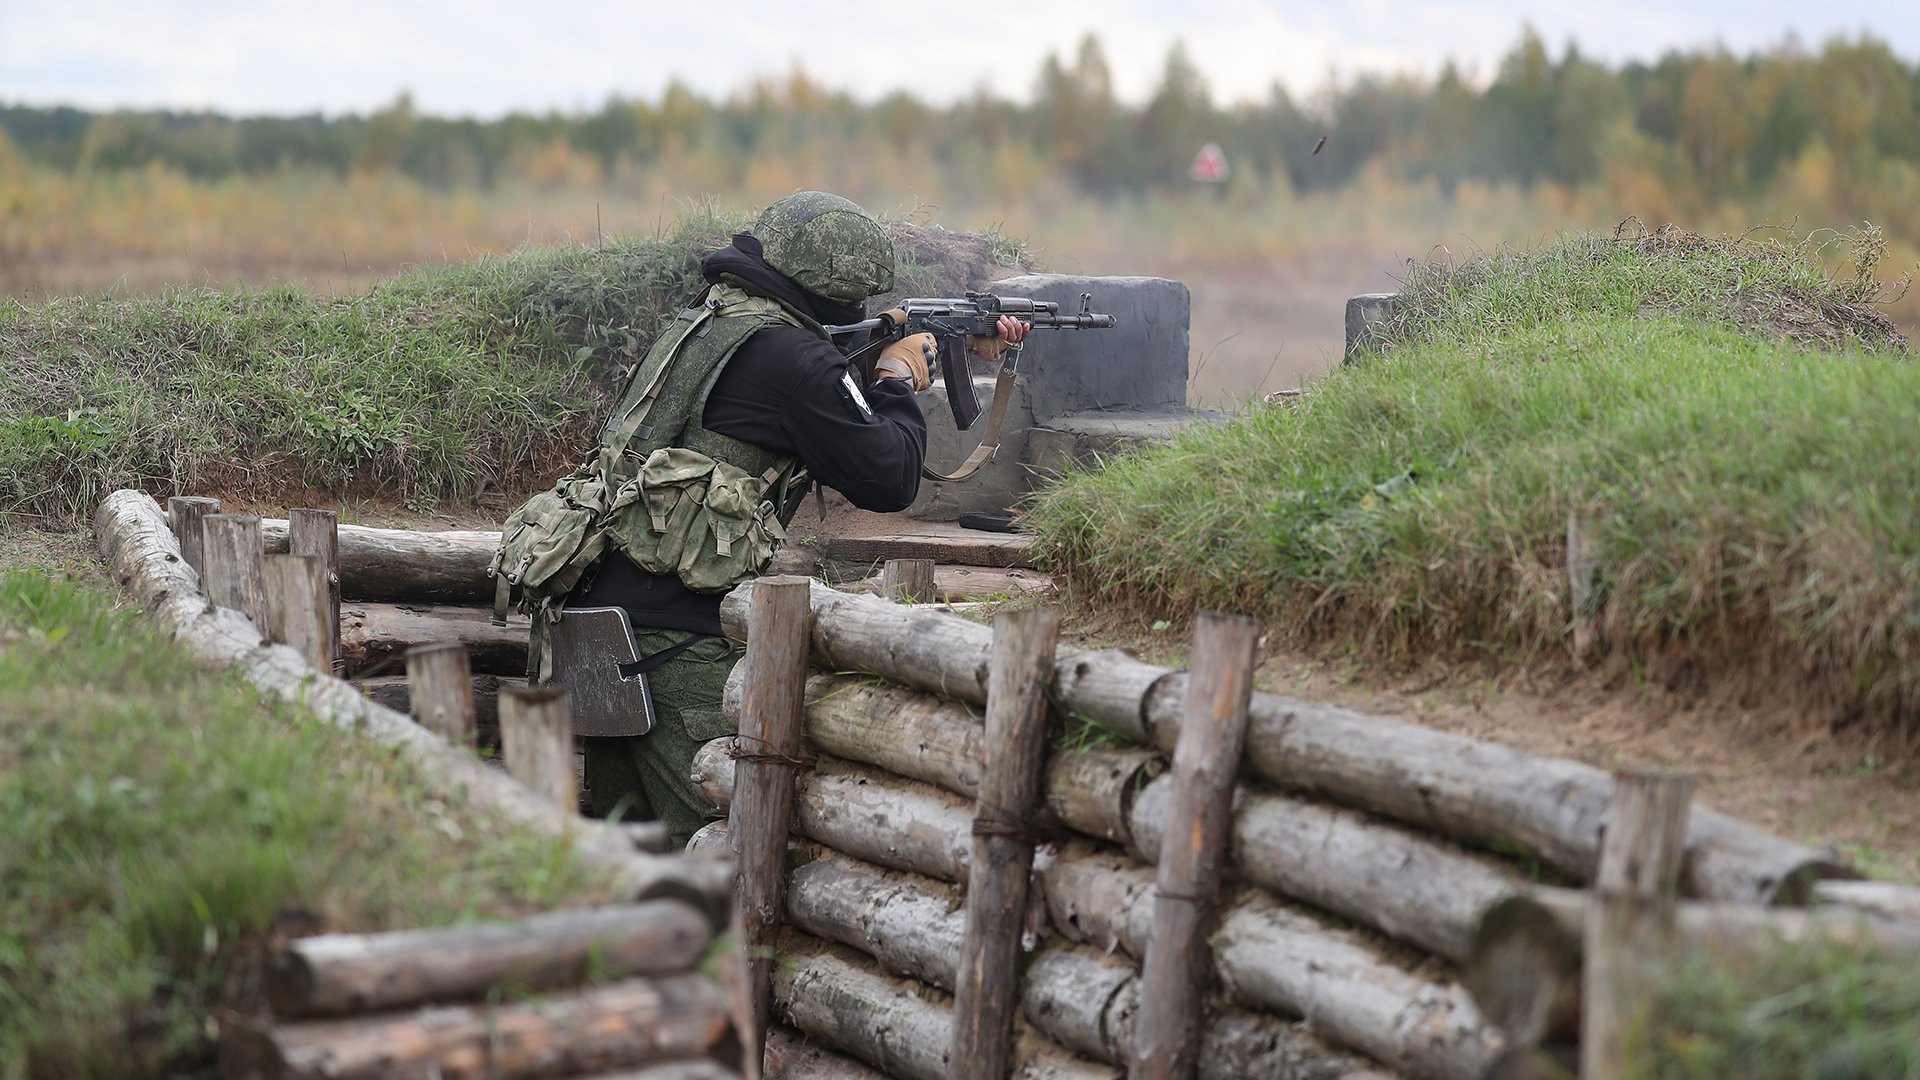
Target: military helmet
x=828, y=245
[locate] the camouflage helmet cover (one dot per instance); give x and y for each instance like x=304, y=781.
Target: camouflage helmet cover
x=828, y=245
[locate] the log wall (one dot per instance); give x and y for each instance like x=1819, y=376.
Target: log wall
x=1364, y=856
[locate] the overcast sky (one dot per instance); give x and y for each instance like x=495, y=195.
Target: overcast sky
x=486, y=57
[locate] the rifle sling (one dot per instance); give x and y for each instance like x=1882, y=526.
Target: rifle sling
x=990, y=439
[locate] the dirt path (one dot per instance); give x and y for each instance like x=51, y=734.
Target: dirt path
x=1764, y=765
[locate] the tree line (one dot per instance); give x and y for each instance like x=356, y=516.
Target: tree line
x=1707, y=121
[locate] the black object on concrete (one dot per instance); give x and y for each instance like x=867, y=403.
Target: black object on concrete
x=998, y=523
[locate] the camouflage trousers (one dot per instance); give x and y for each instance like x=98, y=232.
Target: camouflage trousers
x=648, y=777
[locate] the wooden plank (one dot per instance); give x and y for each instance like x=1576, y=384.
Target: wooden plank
x=963, y=584
x=942, y=543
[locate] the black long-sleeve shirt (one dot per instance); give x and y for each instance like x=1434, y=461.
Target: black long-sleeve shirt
x=791, y=392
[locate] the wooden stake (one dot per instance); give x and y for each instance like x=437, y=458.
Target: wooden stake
x=1206, y=762
x=185, y=513
x=317, y=532
x=1015, y=755
x=757, y=822
x=296, y=602
x=907, y=581
x=232, y=554
x=1630, y=921
x=440, y=691
x=536, y=738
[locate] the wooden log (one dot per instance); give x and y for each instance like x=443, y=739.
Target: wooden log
x=623, y=1024
x=186, y=516
x=901, y=731
x=907, y=581
x=232, y=554
x=790, y=1056
x=403, y=564
x=925, y=738
x=1420, y=890
x=1078, y=996
x=441, y=692
x=693, y=1069
x=863, y=812
x=374, y=637
x=838, y=998
x=768, y=749
x=1094, y=790
x=912, y=924
x=1272, y=958
x=1174, y=975
x=1003, y=839
x=393, y=692
x=1477, y=792
x=1629, y=931
x=295, y=594
x=1101, y=897
x=1881, y=899
x=536, y=739
x=141, y=554
x=352, y=973
x=317, y=533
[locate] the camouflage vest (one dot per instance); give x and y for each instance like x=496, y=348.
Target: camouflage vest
x=661, y=489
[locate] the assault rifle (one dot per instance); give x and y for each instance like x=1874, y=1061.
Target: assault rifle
x=952, y=322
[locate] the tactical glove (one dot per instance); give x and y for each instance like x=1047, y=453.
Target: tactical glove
x=906, y=359
x=991, y=346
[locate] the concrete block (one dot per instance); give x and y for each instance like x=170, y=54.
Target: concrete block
x=1364, y=312
x=1141, y=361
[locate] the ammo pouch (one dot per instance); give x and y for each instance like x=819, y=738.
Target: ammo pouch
x=708, y=522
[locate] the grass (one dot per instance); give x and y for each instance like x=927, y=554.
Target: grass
x=1726, y=426
x=436, y=385
x=1806, y=1011
x=422, y=388
x=164, y=823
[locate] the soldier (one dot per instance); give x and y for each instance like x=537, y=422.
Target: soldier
x=739, y=407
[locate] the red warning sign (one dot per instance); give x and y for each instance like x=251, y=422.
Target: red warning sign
x=1210, y=165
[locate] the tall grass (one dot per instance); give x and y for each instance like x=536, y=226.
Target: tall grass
x=432, y=385
x=1810, y=1010
x=1749, y=501
x=162, y=822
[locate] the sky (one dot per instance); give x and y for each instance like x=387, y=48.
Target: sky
x=486, y=58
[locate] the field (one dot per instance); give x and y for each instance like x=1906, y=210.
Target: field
x=1733, y=452
x=1270, y=271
